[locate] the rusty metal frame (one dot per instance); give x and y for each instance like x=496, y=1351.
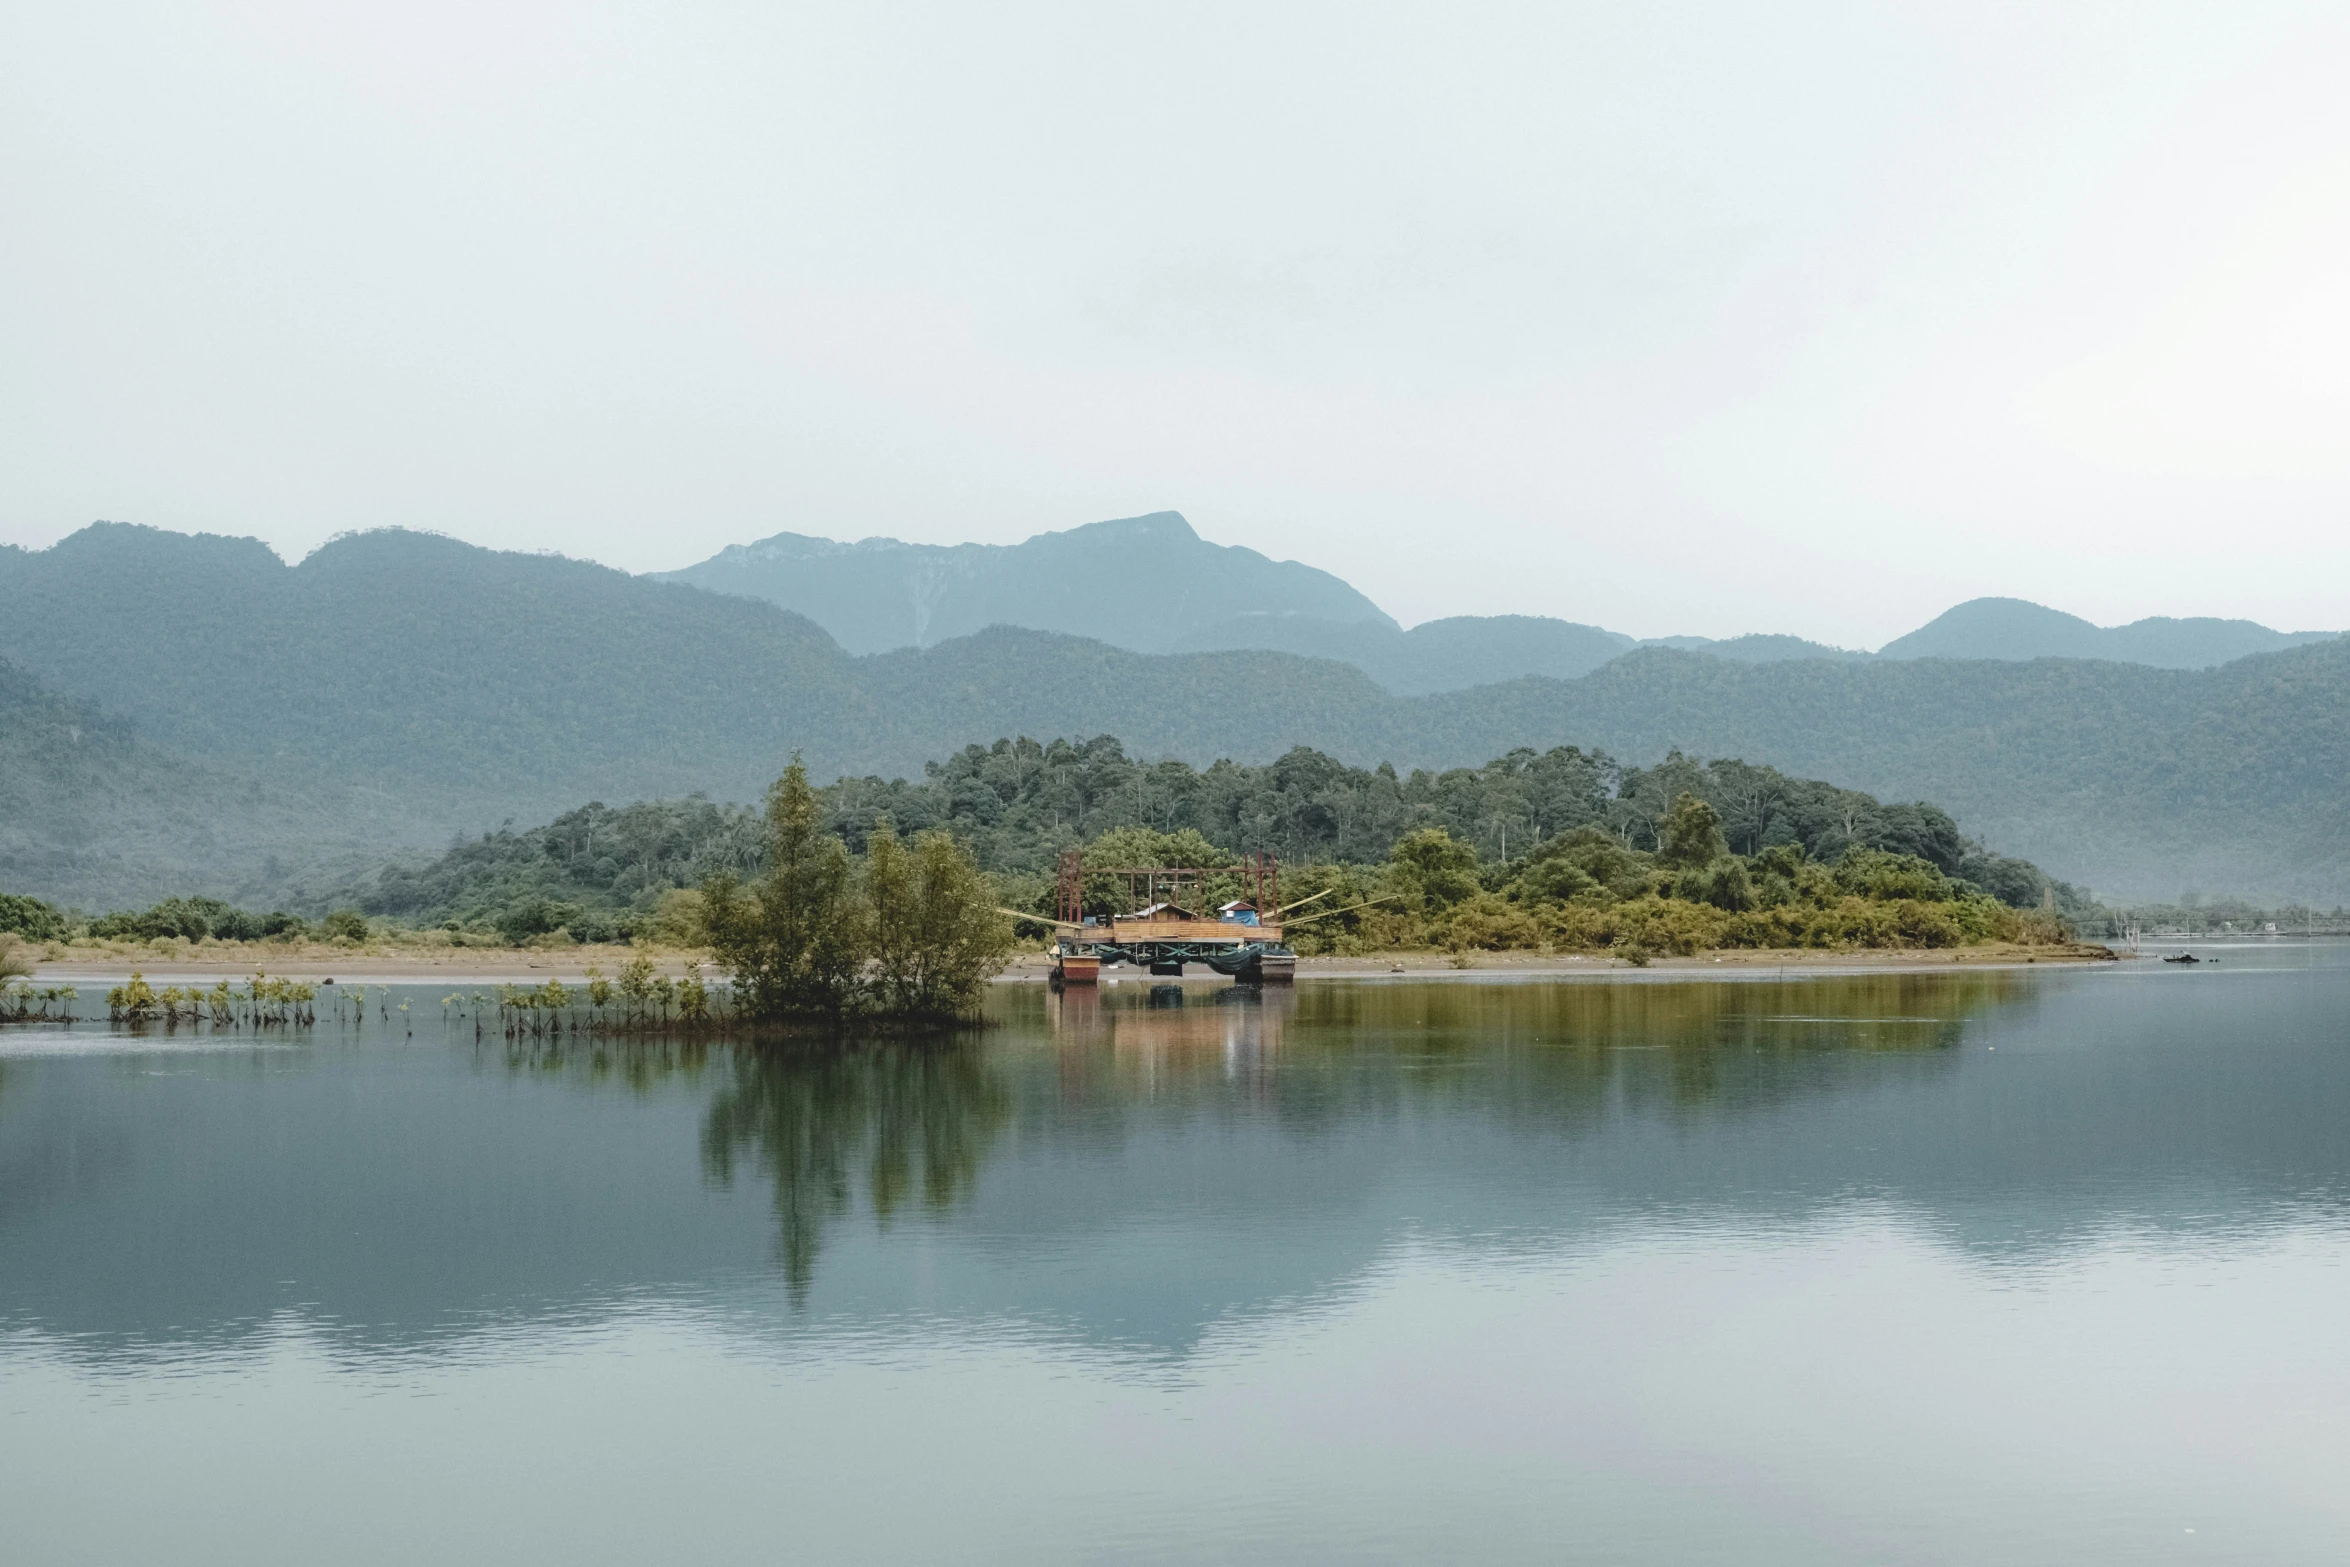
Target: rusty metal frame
x=1259, y=873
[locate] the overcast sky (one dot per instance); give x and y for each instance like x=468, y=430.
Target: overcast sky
x=1673, y=318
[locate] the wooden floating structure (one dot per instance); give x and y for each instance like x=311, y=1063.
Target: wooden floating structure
x=1166, y=923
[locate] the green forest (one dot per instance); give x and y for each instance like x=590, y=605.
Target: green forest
x=1565, y=847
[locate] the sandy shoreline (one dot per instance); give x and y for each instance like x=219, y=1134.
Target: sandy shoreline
x=493, y=966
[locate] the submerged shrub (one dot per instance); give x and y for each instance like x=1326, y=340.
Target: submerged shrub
x=937, y=938
x=914, y=932
x=795, y=939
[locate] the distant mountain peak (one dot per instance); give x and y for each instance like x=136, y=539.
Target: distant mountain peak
x=881, y=593
x=1155, y=526
x=101, y=540
x=2011, y=628
x=788, y=546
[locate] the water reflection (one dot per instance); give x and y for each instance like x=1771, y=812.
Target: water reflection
x=637, y=1064
x=885, y=1126
x=903, y=1122
x=1980, y=1267
x=1135, y=1168
x=1561, y=1055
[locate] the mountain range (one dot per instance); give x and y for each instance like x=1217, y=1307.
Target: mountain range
x=1145, y=583
x=396, y=687
x=1153, y=585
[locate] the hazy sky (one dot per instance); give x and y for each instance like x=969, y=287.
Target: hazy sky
x=1675, y=318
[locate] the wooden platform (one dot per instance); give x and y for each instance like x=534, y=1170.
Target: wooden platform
x=1124, y=931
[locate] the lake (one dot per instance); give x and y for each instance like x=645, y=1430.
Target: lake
x=2042, y=1265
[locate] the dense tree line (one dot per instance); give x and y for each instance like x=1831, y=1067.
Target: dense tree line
x=173, y=919
x=33, y=918
x=596, y=871
x=602, y=872
x=1019, y=803
x=198, y=919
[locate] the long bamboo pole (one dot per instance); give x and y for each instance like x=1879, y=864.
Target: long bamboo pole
x=1041, y=919
x=1385, y=897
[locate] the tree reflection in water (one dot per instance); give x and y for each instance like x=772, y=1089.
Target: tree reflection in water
x=910, y=1120
x=1562, y=1054
x=899, y=1122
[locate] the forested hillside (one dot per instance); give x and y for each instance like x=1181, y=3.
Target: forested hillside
x=1018, y=803
x=472, y=681
x=463, y=687
x=2138, y=781
x=91, y=814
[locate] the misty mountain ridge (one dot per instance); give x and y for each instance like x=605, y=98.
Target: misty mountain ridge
x=91, y=812
x=2019, y=629
x=1137, y=582
x=398, y=686
x=1152, y=585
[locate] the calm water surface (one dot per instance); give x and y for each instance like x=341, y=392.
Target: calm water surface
x=2039, y=1266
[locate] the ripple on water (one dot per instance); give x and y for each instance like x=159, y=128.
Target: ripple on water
x=29, y=1041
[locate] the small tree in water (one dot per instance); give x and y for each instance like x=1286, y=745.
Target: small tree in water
x=795, y=940
x=917, y=935
x=937, y=938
